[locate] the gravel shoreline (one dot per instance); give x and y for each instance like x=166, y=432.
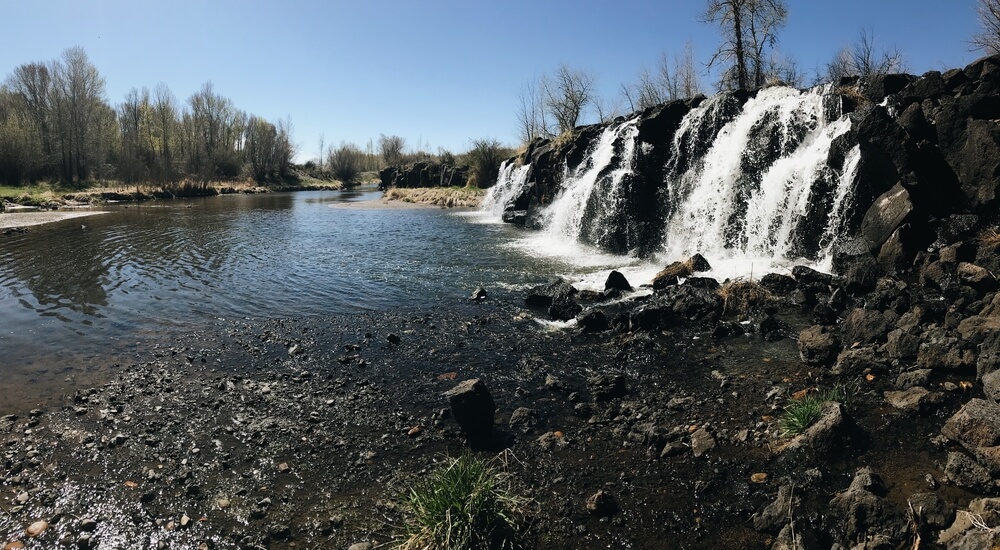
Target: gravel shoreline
x=304, y=433
x=11, y=220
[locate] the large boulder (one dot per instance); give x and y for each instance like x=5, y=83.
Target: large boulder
x=864, y=326
x=976, y=426
x=890, y=211
x=818, y=345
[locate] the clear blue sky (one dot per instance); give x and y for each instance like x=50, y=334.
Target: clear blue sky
x=437, y=72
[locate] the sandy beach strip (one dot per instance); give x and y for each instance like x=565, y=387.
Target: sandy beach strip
x=26, y=219
x=382, y=204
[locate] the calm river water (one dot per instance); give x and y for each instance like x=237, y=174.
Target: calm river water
x=78, y=294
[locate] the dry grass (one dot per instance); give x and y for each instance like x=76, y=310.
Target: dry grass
x=741, y=296
x=448, y=197
x=853, y=93
x=990, y=237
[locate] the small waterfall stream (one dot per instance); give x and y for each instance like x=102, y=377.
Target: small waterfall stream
x=749, y=186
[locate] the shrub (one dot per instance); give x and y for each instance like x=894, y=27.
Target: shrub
x=345, y=163
x=468, y=504
x=484, y=159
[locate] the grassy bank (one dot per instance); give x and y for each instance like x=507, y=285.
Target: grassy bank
x=53, y=195
x=449, y=197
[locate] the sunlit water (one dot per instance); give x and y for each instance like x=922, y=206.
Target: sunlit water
x=75, y=293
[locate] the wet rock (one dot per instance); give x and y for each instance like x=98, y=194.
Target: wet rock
x=889, y=211
x=551, y=440
x=593, y=321
x=523, y=419
x=966, y=532
x=976, y=426
x=36, y=528
x=976, y=277
x=87, y=524
x=671, y=274
x=602, y=504
x=701, y=442
x=945, y=352
x=864, y=326
x=773, y=516
x=855, y=361
x=935, y=512
x=966, y=472
x=473, y=408
x=991, y=385
x=913, y=400
x=617, y=281
x=280, y=531
x=808, y=277
x=818, y=345
x=545, y=295
x=605, y=387
x=859, y=513
x=901, y=344
x=909, y=379
x=777, y=284
x=479, y=294
x=796, y=536
x=564, y=308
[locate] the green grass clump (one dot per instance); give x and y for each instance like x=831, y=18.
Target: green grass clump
x=800, y=414
x=468, y=504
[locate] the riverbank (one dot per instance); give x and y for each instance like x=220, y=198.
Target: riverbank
x=305, y=432
x=49, y=197
x=445, y=197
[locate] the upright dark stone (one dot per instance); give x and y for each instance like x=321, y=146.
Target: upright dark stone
x=474, y=409
x=617, y=281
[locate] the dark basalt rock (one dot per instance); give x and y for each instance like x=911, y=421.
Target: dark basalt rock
x=473, y=408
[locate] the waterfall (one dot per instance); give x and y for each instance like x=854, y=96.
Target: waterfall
x=592, y=204
x=511, y=183
x=751, y=185
x=755, y=194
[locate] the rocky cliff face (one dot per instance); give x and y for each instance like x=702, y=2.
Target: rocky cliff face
x=927, y=175
x=424, y=174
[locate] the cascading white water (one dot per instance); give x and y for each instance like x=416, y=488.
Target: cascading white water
x=741, y=204
x=511, y=182
x=592, y=193
x=748, y=186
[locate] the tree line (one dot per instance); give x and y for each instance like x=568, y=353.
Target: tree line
x=56, y=124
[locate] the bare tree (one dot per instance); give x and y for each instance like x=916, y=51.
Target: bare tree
x=165, y=106
x=322, y=139
x=685, y=75
x=677, y=81
x=988, y=39
x=531, y=121
x=78, y=97
x=749, y=28
x=390, y=147
x=862, y=59
x=567, y=93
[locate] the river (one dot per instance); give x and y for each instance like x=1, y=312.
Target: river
x=81, y=295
